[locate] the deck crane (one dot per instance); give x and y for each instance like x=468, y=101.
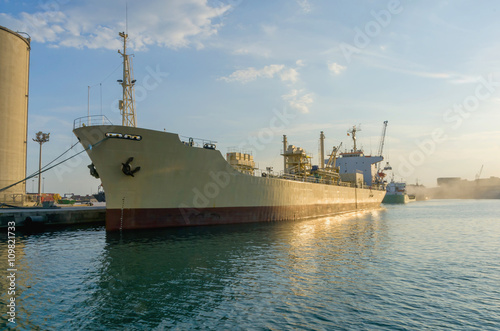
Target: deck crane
x=479, y=173
x=380, y=149
x=382, y=139
x=333, y=157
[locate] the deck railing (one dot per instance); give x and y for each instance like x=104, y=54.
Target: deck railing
x=312, y=179
x=198, y=142
x=92, y=120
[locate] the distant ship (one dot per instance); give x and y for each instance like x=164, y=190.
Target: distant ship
x=100, y=196
x=155, y=179
x=419, y=191
x=396, y=193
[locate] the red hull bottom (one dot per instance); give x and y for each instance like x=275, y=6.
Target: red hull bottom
x=130, y=219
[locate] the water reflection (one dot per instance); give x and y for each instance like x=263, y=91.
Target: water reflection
x=380, y=270
x=50, y=268
x=167, y=277
x=152, y=276
x=216, y=277
x=19, y=270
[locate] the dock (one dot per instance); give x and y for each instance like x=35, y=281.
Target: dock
x=50, y=217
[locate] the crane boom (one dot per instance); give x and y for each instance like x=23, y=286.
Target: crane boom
x=382, y=139
x=479, y=173
x=333, y=157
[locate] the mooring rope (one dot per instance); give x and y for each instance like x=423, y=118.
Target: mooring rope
x=45, y=166
x=44, y=169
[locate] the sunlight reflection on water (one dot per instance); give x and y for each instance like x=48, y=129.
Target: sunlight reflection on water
x=428, y=264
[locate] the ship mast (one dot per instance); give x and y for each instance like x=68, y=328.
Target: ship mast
x=127, y=104
x=353, y=135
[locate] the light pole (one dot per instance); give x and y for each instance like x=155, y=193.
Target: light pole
x=88, y=106
x=40, y=138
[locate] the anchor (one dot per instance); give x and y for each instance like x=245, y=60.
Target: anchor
x=127, y=169
x=93, y=170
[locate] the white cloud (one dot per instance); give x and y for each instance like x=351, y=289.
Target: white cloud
x=304, y=5
x=436, y=75
x=253, y=49
x=465, y=80
x=289, y=75
x=269, y=29
x=250, y=74
x=240, y=51
x=335, y=68
x=299, y=100
x=95, y=24
x=395, y=64
x=451, y=77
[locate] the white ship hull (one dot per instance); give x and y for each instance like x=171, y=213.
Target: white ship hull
x=181, y=185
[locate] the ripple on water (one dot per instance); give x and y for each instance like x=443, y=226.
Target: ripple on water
x=426, y=265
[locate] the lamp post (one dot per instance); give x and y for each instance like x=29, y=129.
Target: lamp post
x=40, y=138
x=88, y=106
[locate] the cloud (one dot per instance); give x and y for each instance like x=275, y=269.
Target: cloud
x=269, y=29
x=299, y=100
x=289, y=75
x=304, y=5
x=465, y=80
x=451, y=77
x=240, y=51
x=435, y=75
x=335, y=68
x=245, y=48
x=402, y=66
x=251, y=74
x=173, y=24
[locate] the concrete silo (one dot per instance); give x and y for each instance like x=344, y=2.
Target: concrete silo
x=14, y=83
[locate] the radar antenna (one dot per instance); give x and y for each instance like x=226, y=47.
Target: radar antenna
x=352, y=132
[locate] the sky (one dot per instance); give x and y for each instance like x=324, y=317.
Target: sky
x=244, y=73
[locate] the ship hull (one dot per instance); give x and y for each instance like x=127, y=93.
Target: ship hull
x=117, y=219
x=396, y=198
x=181, y=185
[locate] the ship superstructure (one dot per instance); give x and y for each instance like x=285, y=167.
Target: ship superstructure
x=158, y=179
x=356, y=162
x=396, y=193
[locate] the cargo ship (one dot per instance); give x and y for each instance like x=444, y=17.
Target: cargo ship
x=155, y=179
x=396, y=193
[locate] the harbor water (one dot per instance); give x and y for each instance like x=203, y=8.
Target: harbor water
x=425, y=265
